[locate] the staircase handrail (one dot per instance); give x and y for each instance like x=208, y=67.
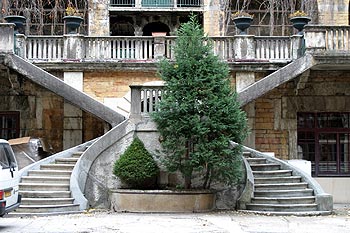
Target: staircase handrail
x=63, y=154
x=248, y=191
x=324, y=200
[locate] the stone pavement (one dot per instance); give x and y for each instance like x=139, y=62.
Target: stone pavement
x=215, y=222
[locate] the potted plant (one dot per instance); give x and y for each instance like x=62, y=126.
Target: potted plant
x=242, y=20
x=18, y=20
x=299, y=19
x=72, y=20
x=138, y=171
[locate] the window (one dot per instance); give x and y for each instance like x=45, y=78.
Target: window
x=9, y=125
x=323, y=139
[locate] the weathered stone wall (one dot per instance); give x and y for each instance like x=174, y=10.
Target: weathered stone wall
x=115, y=84
x=41, y=111
x=98, y=18
x=333, y=12
x=213, y=18
x=275, y=125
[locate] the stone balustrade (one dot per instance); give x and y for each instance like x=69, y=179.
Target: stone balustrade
x=327, y=38
x=144, y=99
x=240, y=48
x=147, y=48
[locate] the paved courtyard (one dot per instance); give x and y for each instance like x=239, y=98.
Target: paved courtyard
x=217, y=222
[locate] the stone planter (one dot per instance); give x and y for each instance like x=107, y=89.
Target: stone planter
x=72, y=23
x=242, y=23
x=299, y=23
x=162, y=201
x=17, y=20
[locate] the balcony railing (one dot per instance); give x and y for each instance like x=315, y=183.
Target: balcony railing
x=156, y=3
x=147, y=48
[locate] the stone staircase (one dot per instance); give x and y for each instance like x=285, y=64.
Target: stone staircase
x=47, y=191
x=279, y=190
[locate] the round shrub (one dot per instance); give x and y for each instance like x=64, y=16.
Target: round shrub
x=136, y=166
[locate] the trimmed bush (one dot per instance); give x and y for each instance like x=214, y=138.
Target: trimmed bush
x=136, y=166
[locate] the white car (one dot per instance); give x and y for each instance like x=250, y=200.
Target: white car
x=9, y=180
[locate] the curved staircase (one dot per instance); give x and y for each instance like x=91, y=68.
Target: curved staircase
x=275, y=187
x=45, y=185
x=279, y=190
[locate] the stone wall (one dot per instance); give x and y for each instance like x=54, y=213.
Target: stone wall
x=275, y=125
x=114, y=84
x=333, y=12
x=41, y=111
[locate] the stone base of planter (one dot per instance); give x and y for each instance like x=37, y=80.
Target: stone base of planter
x=161, y=201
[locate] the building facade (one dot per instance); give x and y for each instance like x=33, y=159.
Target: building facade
x=304, y=118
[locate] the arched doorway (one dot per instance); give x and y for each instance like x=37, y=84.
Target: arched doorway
x=155, y=27
x=121, y=26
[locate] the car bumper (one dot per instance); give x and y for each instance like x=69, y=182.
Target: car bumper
x=4, y=210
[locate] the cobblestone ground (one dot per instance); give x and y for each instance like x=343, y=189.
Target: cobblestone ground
x=216, y=222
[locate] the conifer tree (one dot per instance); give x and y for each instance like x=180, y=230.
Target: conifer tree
x=199, y=112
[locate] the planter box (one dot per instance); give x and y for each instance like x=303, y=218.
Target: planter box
x=161, y=201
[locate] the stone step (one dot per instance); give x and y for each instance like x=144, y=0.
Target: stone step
x=43, y=187
x=45, y=194
x=283, y=200
x=50, y=173
x=77, y=154
x=277, y=173
x=265, y=167
x=256, y=160
x=47, y=201
x=282, y=207
x=281, y=186
x=47, y=208
x=66, y=161
x=284, y=193
x=277, y=180
x=60, y=167
x=247, y=154
x=45, y=179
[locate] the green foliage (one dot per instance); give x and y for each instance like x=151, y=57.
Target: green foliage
x=136, y=166
x=199, y=112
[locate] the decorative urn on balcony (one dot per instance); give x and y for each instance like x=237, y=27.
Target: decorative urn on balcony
x=72, y=20
x=299, y=19
x=17, y=20
x=242, y=21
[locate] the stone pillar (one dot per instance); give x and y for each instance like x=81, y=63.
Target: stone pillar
x=297, y=46
x=74, y=48
x=20, y=49
x=243, y=80
x=73, y=116
x=315, y=39
x=99, y=18
x=244, y=47
x=214, y=18
x=333, y=12
x=135, y=108
x=7, y=41
x=159, y=45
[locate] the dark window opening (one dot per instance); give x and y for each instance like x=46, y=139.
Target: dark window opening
x=323, y=139
x=9, y=125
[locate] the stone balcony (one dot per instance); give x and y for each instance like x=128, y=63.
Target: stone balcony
x=156, y=5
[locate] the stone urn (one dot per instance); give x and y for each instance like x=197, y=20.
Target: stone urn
x=242, y=23
x=299, y=23
x=17, y=20
x=72, y=23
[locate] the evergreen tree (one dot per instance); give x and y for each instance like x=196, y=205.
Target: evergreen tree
x=199, y=112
